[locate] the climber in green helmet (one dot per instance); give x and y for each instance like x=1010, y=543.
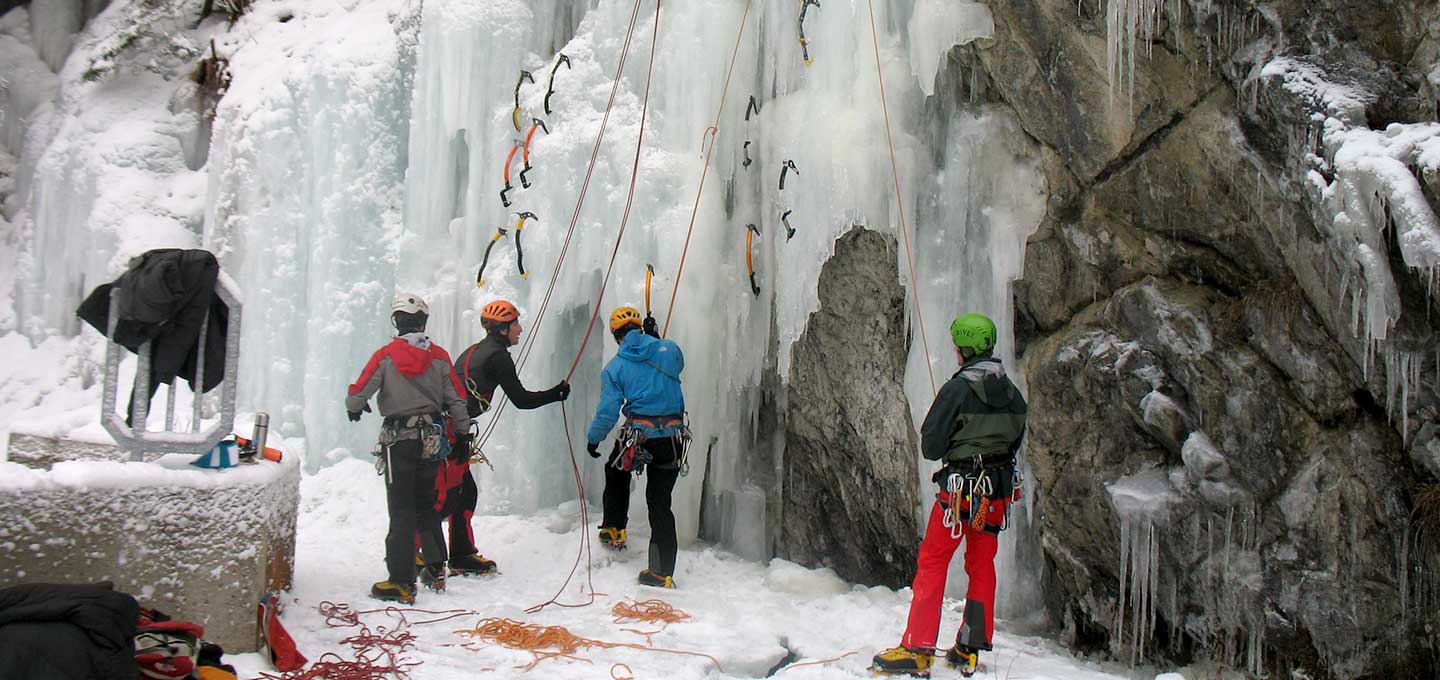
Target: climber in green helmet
x=974, y=427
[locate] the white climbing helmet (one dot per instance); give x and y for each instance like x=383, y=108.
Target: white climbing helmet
x=409, y=303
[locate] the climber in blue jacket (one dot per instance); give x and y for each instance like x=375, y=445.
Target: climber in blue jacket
x=643, y=382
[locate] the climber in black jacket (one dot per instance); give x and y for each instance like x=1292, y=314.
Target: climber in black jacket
x=481, y=368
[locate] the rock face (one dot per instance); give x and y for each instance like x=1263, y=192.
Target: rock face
x=849, y=465
x=1227, y=327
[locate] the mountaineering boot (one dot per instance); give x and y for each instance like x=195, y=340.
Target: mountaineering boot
x=404, y=593
x=963, y=658
x=650, y=578
x=432, y=576
x=471, y=565
x=902, y=661
x=612, y=538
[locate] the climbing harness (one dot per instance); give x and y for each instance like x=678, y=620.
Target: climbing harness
x=515, y=114
x=751, y=231
x=429, y=429
x=789, y=230
x=705, y=171
x=787, y=166
x=535, y=124
x=519, y=251
x=804, y=43
x=746, y=149
x=970, y=494
x=752, y=107
x=485, y=259
x=504, y=199
x=550, y=87
x=630, y=452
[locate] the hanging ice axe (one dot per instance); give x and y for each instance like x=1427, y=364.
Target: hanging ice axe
x=805, y=44
x=535, y=123
x=752, y=107
x=519, y=251
x=649, y=274
x=485, y=259
x=515, y=114
x=789, y=230
x=746, y=149
x=751, y=231
x=785, y=167
x=550, y=87
x=504, y=199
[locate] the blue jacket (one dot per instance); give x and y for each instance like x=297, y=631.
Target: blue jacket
x=642, y=380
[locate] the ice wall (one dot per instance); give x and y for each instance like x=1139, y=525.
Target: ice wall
x=360, y=148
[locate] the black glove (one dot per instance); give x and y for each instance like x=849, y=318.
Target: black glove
x=561, y=391
x=651, y=328
x=593, y=449
x=355, y=415
x=460, y=449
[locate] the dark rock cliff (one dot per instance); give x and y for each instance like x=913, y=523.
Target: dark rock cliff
x=1233, y=381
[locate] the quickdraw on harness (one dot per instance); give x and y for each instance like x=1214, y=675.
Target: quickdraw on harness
x=789, y=230
x=504, y=198
x=967, y=488
x=787, y=167
x=746, y=150
x=550, y=87
x=804, y=43
x=535, y=124
x=976, y=490
x=500, y=233
x=515, y=114
x=751, y=231
x=429, y=429
x=631, y=455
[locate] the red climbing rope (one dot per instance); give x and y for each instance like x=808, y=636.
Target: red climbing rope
x=584, y=552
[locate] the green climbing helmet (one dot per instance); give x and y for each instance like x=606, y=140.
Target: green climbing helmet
x=974, y=332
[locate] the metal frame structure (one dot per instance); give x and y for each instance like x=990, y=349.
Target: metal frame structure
x=138, y=439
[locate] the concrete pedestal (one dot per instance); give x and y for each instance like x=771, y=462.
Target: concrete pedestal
x=200, y=545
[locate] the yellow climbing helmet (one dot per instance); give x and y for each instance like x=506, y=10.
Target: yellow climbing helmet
x=623, y=317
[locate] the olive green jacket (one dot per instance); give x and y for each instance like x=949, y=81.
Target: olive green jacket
x=978, y=413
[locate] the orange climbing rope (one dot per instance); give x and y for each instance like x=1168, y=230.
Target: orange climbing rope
x=584, y=551
x=819, y=662
x=549, y=642
x=713, y=132
x=899, y=199
x=648, y=611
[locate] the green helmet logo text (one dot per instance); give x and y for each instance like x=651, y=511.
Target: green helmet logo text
x=974, y=332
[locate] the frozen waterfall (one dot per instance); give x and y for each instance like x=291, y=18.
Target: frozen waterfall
x=360, y=150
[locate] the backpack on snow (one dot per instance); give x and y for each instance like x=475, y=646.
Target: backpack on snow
x=167, y=650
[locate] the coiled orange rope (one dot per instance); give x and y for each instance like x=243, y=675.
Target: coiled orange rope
x=649, y=611
x=549, y=642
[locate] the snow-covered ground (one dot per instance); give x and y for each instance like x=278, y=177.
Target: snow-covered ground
x=747, y=615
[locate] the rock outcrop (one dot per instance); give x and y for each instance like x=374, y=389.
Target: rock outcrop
x=849, y=465
x=1227, y=324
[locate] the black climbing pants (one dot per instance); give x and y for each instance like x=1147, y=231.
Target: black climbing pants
x=660, y=476
x=410, y=496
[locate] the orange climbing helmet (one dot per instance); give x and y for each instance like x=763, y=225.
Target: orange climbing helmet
x=623, y=317
x=498, y=313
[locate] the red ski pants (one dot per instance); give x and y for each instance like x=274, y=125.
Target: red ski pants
x=936, y=550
